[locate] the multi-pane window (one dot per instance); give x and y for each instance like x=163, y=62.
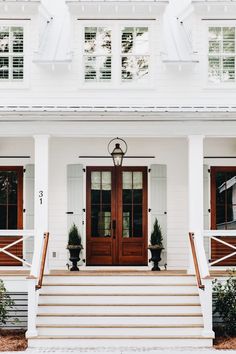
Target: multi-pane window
x=134, y=53
x=221, y=54
x=11, y=53
x=97, y=54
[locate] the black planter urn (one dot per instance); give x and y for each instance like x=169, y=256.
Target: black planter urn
x=74, y=257
x=155, y=257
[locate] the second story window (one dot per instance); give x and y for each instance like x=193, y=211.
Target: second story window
x=221, y=54
x=11, y=53
x=97, y=54
x=134, y=53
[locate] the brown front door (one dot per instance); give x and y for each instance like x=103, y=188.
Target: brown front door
x=11, y=211
x=223, y=211
x=116, y=221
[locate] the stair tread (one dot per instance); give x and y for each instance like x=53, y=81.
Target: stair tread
x=121, y=326
x=123, y=337
x=126, y=305
x=119, y=315
x=117, y=284
x=116, y=294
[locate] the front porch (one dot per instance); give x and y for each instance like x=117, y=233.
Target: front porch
x=176, y=187
x=177, y=192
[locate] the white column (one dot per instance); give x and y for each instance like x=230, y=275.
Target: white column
x=195, y=188
x=41, y=196
x=195, y=193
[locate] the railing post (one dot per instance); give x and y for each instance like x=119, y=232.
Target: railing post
x=206, y=303
x=32, y=307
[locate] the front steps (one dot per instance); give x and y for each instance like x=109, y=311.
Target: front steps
x=119, y=310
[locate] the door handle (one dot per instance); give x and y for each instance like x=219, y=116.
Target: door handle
x=114, y=228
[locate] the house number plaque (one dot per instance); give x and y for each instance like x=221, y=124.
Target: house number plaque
x=41, y=197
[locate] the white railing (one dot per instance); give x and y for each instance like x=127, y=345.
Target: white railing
x=217, y=235
x=24, y=235
x=36, y=267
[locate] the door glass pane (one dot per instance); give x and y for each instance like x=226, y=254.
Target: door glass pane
x=127, y=187
x=8, y=199
x=101, y=204
x=132, y=183
x=225, y=200
x=127, y=221
x=106, y=187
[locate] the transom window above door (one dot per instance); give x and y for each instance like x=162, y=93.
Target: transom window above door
x=116, y=54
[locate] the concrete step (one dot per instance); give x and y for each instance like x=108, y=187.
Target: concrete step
x=118, y=342
x=126, y=299
x=138, y=331
x=54, y=319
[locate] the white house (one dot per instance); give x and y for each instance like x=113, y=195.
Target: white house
x=161, y=80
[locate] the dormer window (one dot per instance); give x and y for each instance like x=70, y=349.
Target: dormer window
x=135, y=53
x=116, y=53
x=221, y=54
x=11, y=53
x=97, y=54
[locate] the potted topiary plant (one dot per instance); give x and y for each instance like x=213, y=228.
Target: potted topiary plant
x=74, y=246
x=156, y=245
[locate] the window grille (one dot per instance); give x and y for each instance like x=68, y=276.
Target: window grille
x=221, y=54
x=134, y=53
x=97, y=54
x=11, y=53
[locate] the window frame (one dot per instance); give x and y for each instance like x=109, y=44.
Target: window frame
x=11, y=83
x=116, y=54
x=231, y=85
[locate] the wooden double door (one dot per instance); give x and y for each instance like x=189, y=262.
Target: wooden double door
x=116, y=216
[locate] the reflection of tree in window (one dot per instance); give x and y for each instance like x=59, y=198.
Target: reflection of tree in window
x=8, y=200
x=135, y=53
x=221, y=54
x=97, y=50
x=226, y=200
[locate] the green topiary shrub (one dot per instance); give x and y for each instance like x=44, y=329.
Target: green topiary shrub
x=5, y=304
x=225, y=303
x=156, y=236
x=74, y=238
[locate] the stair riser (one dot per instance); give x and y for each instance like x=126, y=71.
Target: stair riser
x=140, y=332
x=120, y=320
x=120, y=279
x=114, y=343
x=90, y=310
x=163, y=289
x=118, y=299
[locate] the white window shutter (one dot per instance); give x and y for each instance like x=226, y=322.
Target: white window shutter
x=29, y=209
x=206, y=205
x=75, y=198
x=158, y=202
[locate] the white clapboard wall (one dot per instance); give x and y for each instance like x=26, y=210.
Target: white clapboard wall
x=158, y=202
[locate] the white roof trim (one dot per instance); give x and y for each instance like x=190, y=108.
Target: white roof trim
x=114, y=108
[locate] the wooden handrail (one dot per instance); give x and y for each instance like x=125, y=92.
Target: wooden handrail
x=195, y=261
x=43, y=261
